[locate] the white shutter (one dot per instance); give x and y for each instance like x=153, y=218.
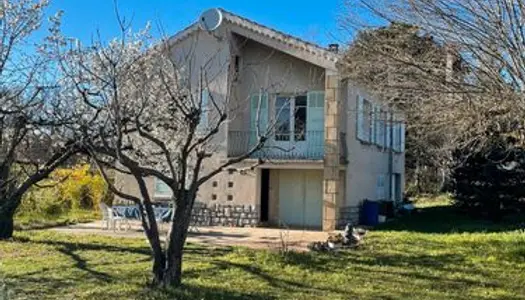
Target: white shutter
x=403, y=128
x=359, y=119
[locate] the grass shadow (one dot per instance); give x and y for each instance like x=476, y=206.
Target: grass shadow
x=275, y=281
x=447, y=219
x=191, y=292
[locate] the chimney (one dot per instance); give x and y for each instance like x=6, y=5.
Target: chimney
x=333, y=48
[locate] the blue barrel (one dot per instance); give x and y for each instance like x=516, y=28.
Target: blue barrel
x=370, y=213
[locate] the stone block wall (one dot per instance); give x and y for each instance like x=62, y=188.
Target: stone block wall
x=225, y=215
x=348, y=214
x=332, y=159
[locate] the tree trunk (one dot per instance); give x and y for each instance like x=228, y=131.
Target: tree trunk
x=173, y=272
x=6, y=225
x=8, y=205
x=159, y=263
x=175, y=247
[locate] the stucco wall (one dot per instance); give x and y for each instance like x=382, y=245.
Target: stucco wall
x=273, y=71
x=365, y=161
x=276, y=72
x=196, y=54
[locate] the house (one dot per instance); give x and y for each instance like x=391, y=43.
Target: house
x=333, y=144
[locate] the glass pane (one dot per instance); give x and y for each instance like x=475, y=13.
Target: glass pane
x=300, y=118
x=300, y=101
x=282, y=116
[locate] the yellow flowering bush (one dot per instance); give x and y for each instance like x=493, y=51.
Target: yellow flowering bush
x=67, y=189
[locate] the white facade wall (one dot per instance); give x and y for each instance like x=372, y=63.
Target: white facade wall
x=366, y=162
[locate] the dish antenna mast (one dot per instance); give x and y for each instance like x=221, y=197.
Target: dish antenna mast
x=211, y=19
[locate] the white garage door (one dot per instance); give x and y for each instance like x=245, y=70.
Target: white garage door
x=300, y=198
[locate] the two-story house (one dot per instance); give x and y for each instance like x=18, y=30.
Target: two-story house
x=332, y=144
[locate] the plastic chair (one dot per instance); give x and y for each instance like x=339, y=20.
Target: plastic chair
x=110, y=218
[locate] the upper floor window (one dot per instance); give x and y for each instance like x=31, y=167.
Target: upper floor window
x=365, y=120
x=380, y=127
x=398, y=136
x=376, y=125
x=282, y=117
x=300, y=118
x=290, y=114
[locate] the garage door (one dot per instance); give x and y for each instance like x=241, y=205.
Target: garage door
x=300, y=198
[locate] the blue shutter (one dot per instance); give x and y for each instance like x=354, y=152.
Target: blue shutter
x=397, y=136
x=380, y=127
x=315, y=111
x=373, y=126
x=403, y=128
x=388, y=129
x=161, y=188
x=315, y=123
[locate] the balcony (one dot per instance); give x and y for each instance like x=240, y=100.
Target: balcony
x=304, y=146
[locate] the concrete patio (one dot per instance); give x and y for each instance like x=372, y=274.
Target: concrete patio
x=252, y=237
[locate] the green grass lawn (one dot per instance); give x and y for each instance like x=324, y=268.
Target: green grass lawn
x=433, y=254
x=28, y=221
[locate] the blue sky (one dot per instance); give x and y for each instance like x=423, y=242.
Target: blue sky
x=311, y=20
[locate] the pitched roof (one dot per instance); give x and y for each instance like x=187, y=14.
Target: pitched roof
x=271, y=37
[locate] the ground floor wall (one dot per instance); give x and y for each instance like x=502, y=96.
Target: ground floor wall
x=228, y=199
x=295, y=198
x=369, y=177
x=233, y=197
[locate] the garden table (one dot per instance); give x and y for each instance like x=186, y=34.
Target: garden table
x=133, y=212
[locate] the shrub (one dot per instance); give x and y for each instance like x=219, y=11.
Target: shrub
x=81, y=187
x=68, y=189
x=489, y=182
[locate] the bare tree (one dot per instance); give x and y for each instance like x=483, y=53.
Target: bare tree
x=30, y=148
x=471, y=82
x=149, y=115
x=408, y=70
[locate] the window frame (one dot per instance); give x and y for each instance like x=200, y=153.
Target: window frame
x=365, y=120
x=291, y=134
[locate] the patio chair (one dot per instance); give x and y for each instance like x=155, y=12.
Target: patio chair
x=110, y=218
x=161, y=215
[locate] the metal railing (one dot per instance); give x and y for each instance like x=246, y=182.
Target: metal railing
x=307, y=145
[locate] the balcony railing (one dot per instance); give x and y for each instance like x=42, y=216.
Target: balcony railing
x=308, y=145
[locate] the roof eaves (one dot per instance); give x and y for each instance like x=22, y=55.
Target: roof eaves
x=184, y=33
x=279, y=36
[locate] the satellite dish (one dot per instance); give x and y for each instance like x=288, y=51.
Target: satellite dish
x=210, y=19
